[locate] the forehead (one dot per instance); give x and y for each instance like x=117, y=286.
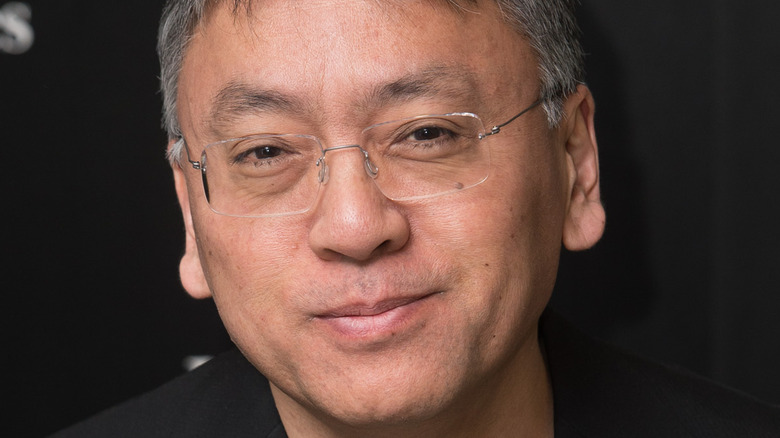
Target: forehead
x=329, y=53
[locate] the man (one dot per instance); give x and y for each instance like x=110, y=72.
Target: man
x=375, y=195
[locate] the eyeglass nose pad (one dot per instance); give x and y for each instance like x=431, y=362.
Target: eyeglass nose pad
x=371, y=168
x=324, y=172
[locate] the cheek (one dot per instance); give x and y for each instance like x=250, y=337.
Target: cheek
x=532, y=194
x=237, y=248
x=247, y=263
x=512, y=232
x=252, y=268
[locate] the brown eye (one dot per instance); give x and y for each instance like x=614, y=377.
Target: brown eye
x=257, y=155
x=265, y=152
x=428, y=133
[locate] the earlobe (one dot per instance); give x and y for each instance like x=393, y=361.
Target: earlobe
x=190, y=268
x=585, y=216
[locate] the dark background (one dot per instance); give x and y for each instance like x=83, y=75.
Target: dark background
x=687, y=272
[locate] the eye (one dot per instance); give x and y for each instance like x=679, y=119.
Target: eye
x=257, y=154
x=428, y=133
x=263, y=152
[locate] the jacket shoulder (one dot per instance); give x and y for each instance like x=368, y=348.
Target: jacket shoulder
x=226, y=396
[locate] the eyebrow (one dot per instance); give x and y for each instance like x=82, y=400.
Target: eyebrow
x=439, y=81
x=239, y=99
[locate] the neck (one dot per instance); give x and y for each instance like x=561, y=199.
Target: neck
x=515, y=400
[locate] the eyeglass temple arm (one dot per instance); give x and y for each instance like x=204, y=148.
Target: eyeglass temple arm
x=497, y=128
x=183, y=144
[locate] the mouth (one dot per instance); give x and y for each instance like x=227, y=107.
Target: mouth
x=376, y=321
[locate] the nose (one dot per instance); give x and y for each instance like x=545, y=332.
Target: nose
x=352, y=218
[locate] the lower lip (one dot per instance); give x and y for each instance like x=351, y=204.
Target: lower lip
x=376, y=327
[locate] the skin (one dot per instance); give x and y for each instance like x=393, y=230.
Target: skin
x=450, y=288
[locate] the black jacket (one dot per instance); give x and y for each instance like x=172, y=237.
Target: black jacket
x=599, y=391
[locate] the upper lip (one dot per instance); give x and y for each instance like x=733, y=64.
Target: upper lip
x=370, y=309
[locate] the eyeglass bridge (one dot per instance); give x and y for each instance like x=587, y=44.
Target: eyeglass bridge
x=323, y=174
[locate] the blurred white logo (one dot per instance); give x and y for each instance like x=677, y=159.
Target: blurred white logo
x=16, y=33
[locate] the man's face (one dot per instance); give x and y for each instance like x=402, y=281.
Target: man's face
x=363, y=308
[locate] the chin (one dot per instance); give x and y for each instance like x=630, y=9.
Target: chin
x=381, y=414
x=385, y=402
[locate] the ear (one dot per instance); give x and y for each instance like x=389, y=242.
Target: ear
x=190, y=269
x=585, y=217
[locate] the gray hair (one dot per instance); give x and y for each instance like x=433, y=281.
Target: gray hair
x=549, y=26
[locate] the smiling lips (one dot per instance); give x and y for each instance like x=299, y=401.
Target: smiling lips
x=382, y=319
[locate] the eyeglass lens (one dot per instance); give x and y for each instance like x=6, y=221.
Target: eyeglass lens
x=414, y=158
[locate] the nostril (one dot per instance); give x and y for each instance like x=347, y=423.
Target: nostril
x=384, y=245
